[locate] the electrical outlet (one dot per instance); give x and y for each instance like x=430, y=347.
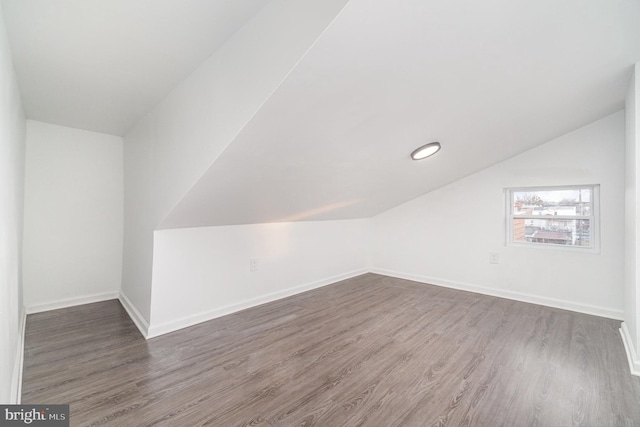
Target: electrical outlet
x=494, y=257
x=253, y=264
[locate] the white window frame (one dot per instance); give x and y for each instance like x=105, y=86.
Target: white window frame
x=594, y=219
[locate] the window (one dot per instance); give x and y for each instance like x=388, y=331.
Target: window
x=556, y=217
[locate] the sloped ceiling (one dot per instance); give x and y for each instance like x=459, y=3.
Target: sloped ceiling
x=101, y=65
x=487, y=79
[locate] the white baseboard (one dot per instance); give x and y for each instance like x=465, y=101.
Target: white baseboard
x=634, y=362
x=71, y=302
x=137, y=318
x=517, y=296
x=164, y=328
x=16, y=377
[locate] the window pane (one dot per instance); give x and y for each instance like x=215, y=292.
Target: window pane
x=570, y=232
x=567, y=202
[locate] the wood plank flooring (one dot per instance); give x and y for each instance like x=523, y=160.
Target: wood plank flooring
x=369, y=351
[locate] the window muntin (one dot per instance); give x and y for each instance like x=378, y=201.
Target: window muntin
x=554, y=217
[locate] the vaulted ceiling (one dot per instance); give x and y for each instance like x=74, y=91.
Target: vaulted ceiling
x=101, y=65
x=487, y=79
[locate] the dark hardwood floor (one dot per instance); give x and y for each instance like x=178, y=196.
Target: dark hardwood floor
x=369, y=351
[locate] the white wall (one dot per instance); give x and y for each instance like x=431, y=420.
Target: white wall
x=12, y=142
x=632, y=165
x=202, y=273
x=72, y=216
x=169, y=150
x=140, y=219
x=445, y=236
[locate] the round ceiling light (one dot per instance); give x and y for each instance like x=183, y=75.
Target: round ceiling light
x=425, y=151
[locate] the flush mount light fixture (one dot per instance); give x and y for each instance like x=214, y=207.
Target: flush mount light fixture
x=425, y=151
